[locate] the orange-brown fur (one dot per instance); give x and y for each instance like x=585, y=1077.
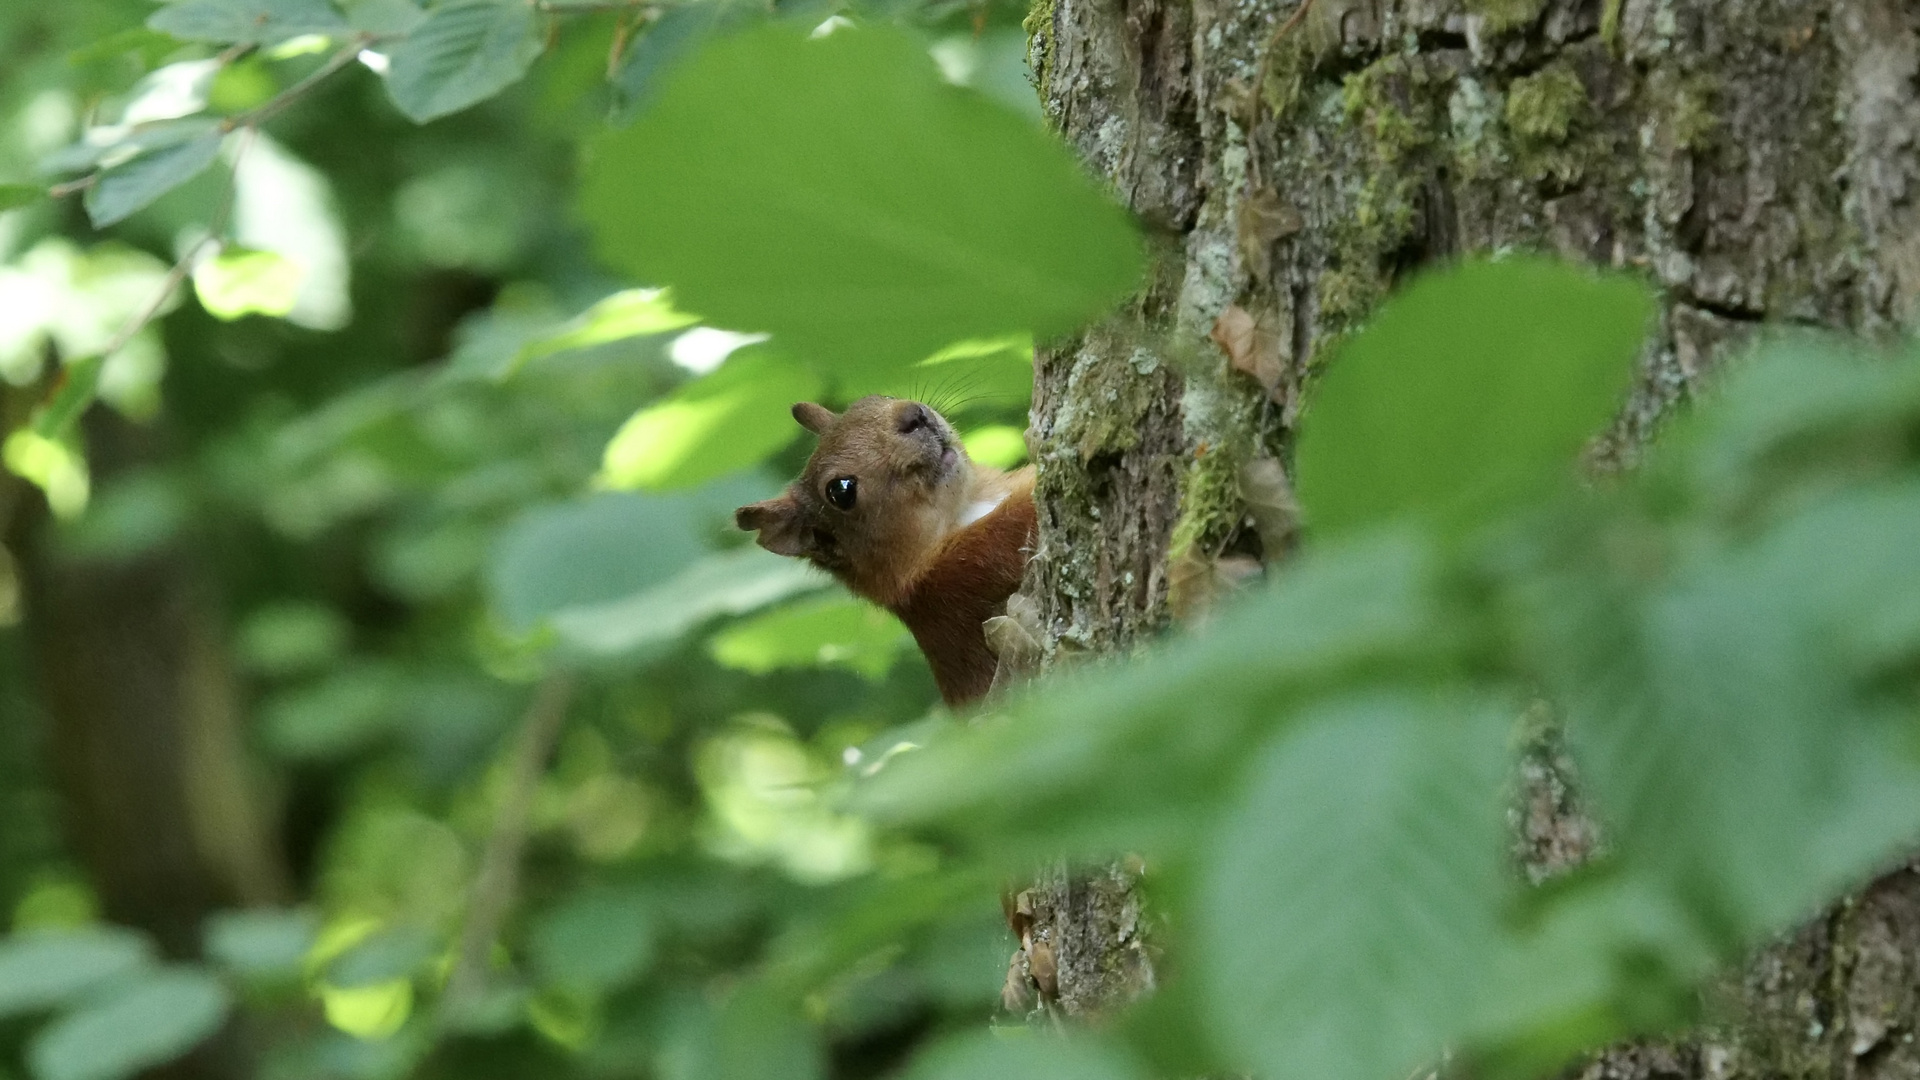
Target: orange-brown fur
x=906, y=544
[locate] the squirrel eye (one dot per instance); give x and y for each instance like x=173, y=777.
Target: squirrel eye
x=841, y=492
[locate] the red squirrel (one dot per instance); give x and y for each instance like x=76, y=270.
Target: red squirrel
x=891, y=505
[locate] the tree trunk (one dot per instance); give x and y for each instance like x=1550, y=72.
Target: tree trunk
x=1756, y=158
x=159, y=801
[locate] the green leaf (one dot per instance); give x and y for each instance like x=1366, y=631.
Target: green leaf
x=248, y=22
x=15, y=196
x=1348, y=911
x=833, y=631
x=385, y=18
x=596, y=939
x=723, y=421
x=393, y=953
x=1002, y=446
x=837, y=193
x=125, y=189
x=262, y=942
x=732, y=583
x=335, y=717
x=41, y=970
x=240, y=282
x=583, y=553
x=756, y=1036
x=79, y=385
x=465, y=52
x=1124, y=758
x=1606, y=957
x=632, y=313
x=1470, y=392
x=667, y=41
x=1711, y=711
x=1013, y=1052
x=140, y=1024
x=291, y=638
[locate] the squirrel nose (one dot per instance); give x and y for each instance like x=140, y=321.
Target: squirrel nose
x=913, y=418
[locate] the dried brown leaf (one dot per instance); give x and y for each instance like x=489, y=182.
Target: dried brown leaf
x=1251, y=347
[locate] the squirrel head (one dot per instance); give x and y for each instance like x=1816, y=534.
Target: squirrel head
x=887, y=483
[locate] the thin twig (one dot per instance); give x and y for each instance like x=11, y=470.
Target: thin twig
x=499, y=877
x=301, y=89
x=549, y=7
x=70, y=187
x=183, y=266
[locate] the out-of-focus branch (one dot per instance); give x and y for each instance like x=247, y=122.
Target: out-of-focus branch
x=498, y=880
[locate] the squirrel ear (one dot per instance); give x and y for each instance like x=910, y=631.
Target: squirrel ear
x=778, y=523
x=815, y=418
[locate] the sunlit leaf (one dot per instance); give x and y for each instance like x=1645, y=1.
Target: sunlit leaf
x=463, y=53
x=729, y=419
x=837, y=193
x=249, y=22
x=238, y=282
x=834, y=631
x=43, y=969
x=125, y=189
x=369, y=1012
x=1470, y=391
x=141, y=1023
x=53, y=467
x=999, y=445
x=1396, y=800
x=632, y=313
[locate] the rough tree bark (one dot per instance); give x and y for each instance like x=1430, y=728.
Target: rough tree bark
x=1757, y=159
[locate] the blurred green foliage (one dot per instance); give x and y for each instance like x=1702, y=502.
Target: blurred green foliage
x=431, y=455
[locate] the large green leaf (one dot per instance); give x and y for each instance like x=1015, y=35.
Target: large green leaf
x=1016, y=1053
x=248, y=22
x=142, y=1023
x=601, y=549
x=667, y=40
x=832, y=631
x=1470, y=392
x=125, y=189
x=44, y=969
x=1125, y=758
x=621, y=574
x=836, y=193
x=1713, y=711
x=727, y=420
x=1348, y=915
x=731, y=583
x=625, y=314
x=463, y=53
